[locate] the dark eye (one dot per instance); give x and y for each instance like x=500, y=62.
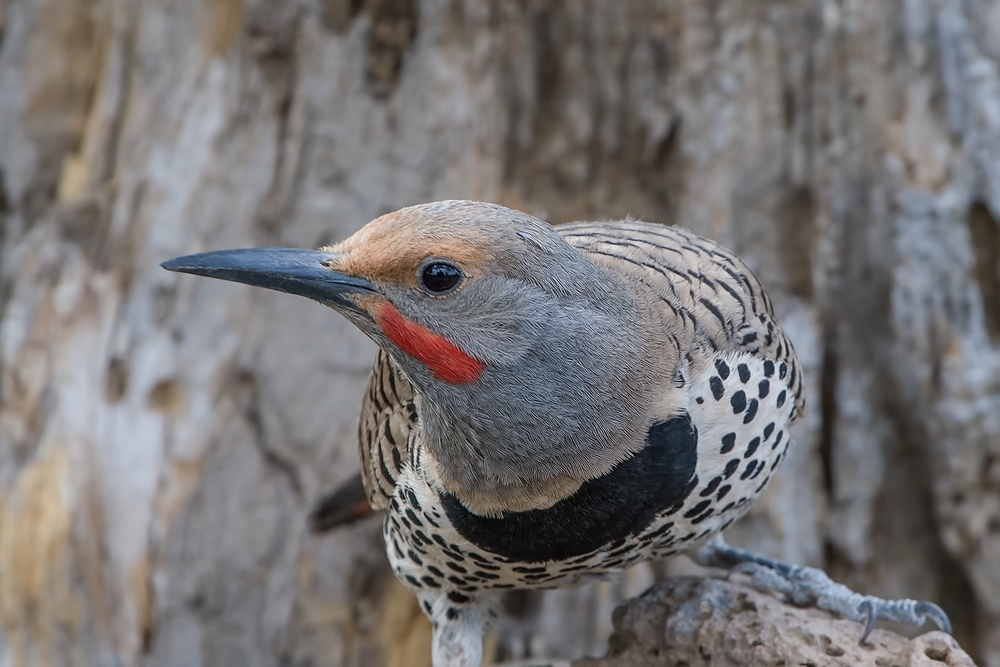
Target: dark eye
x=440, y=277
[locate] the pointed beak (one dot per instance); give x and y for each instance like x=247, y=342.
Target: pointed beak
x=302, y=272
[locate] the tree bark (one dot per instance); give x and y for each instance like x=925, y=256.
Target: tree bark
x=162, y=437
x=706, y=622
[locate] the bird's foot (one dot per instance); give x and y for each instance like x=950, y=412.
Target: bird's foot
x=811, y=587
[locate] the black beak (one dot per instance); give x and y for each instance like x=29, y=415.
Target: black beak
x=302, y=272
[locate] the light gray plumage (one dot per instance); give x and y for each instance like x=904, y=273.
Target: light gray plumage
x=584, y=396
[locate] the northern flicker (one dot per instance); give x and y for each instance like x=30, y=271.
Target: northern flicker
x=553, y=403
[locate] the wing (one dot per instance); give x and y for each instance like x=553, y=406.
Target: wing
x=345, y=505
x=717, y=301
x=388, y=419
x=387, y=426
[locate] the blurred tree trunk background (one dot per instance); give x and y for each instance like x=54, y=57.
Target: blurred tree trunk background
x=162, y=437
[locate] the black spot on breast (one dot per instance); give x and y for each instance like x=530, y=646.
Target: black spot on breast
x=751, y=411
x=750, y=468
x=716, y=385
x=697, y=509
x=699, y=400
x=411, y=497
x=712, y=486
x=763, y=388
x=413, y=518
x=728, y=442
x=744, y=373
x=768, y=430
x=702, y=517
x=427, y=607
x=621, y=503
x=430, y=581
x=488, y=566
x=621, y=551
x=435, y=571
x=723, y=491
x=452, y=613
x=739, y=402
x=782, y=370
x=457, y=597
x=574, y=568
x=768, y=368
x=456, y=567
x=731, y=468
x=413, y=581
x=452, y=554
x=414, y=557
x=781, y=398
x=662, y=529
x=777, y=440
x=752, y=447
x=722, y=368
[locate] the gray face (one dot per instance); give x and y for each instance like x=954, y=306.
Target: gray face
x=556, y=364
x=566, y=388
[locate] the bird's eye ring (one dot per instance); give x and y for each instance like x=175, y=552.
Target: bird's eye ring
x=440, y=277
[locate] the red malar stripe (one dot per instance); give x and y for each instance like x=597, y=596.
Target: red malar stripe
x=446, y=360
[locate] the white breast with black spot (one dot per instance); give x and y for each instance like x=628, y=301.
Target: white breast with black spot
x=742, y=407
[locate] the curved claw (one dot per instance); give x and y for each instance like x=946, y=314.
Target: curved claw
x=922, y=610
x=805, y=586
x=936, y=614
x=868, y=607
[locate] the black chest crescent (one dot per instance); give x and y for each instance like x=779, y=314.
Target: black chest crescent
x=621, y=503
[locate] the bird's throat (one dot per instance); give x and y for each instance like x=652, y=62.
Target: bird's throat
x=447, y=361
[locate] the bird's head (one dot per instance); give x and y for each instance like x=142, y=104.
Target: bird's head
x=531, y=361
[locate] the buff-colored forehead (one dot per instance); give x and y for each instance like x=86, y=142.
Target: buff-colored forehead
x=391, y=248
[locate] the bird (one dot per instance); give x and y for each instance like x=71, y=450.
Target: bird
x=550, y=404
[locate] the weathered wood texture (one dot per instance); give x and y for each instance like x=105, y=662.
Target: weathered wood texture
x=705, y=622
x=161, y=437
